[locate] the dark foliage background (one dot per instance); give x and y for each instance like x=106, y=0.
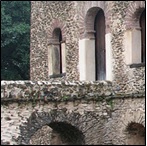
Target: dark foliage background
x=15, y=40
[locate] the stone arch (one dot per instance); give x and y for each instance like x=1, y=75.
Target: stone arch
x=133, y=13
x=130, y=117
x=135, y=116
x=56, y=24
x=87, y=15
x=89, y=22
x=88, y=125
x=135, y=134
x=57, y=133
x=37, y=120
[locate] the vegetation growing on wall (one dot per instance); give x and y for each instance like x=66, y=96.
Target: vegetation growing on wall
x=15, y=40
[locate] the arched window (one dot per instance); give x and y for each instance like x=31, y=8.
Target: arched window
x=95, y=56
x=142, y=26
x=99, y=27
x=134, y=35
x=56, y=55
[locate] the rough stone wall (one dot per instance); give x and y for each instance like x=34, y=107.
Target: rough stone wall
x=60, y=91
x=71, y=17
x=98, y=122
x=101, y=110
x=126, y=79
x=45, y=17
x=93, y=108
x=41, y=136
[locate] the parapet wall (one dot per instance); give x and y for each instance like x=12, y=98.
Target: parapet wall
x=61, y=90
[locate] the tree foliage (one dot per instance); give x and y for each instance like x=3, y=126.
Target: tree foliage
x=15, y=40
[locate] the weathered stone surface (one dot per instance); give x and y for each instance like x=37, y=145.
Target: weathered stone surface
x=100, y=110
x=41, y=136
x=88, y=106
x=55, y=91
x=95, y=119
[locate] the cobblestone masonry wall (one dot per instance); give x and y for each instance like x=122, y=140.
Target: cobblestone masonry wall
x=101, y=110
x=70, y=16
x=44, y=16
x=92, y=107
x=127, y=78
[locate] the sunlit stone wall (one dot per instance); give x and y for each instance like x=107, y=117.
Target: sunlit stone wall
x=72, y=17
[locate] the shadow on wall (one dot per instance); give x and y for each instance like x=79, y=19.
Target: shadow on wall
x=67, y=134
x=58, y=133
x=135, y=134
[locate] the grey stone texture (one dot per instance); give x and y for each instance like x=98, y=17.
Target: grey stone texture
x=64, y=110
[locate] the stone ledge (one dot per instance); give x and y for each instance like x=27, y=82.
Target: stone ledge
x=61, y=99
x=54, y=90
x=60, y=91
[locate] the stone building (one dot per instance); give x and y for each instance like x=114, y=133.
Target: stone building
x=83, y=50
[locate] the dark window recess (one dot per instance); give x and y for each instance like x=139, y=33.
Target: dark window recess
x=142, y=25
x=60, y=41
x=99, y=27
x=57, y=53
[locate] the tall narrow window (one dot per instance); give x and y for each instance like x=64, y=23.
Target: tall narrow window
x=100, y=45
x=57, y=55
x=142, y=26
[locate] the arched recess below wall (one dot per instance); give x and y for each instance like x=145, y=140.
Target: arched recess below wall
x=135, y=134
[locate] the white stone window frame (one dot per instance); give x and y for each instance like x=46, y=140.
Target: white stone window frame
x=53, y=42
x=50, y=58
x=132, y=34
x=87, y=67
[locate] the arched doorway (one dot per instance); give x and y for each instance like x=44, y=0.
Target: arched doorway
x=99, y=27
x=57, y=133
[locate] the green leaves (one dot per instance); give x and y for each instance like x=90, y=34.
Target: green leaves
x=15, y=40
